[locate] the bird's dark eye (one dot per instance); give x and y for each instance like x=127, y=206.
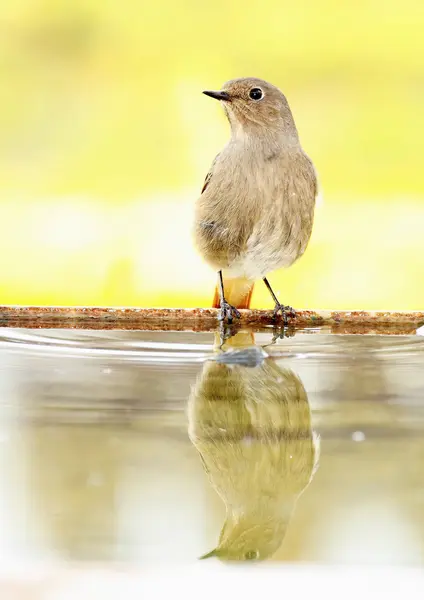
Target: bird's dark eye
x=256, y=93
x=251, y=555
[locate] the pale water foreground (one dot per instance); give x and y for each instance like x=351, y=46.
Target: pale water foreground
x=316, y=444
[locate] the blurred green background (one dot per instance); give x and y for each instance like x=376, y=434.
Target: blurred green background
x=106, y=139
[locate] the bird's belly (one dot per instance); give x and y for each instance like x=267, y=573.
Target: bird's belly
x=256, y=264
x=268, y=249
x=270, y=230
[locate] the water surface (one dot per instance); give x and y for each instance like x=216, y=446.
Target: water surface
x=125, y=446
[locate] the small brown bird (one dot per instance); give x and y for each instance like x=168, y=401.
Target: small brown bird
x=256, y=209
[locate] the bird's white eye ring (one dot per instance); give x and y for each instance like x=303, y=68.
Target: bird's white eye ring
x=256, y=94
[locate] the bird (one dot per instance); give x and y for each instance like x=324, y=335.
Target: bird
x=255, y=212
x=252, y=429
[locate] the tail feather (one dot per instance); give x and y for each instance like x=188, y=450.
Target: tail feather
x=238, y=293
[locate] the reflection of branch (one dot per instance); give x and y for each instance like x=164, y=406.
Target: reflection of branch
x=252, y=429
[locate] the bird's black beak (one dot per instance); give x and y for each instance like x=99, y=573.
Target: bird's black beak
x=225, y=96
x=209, y=554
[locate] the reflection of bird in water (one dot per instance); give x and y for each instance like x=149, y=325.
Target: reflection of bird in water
x=252, y=428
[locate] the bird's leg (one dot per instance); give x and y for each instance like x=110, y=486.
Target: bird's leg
x=285, y=311
x=225, y=333
x=280, y=333
x=227, y=311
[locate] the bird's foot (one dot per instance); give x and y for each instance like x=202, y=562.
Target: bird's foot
x=228, y=312
x=285, y=311
x=226, y=332
x=280, y=333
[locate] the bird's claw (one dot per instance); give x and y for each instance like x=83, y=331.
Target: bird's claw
x=280, y=333
x=225, y=333
x=286, y=312
x=228, y=312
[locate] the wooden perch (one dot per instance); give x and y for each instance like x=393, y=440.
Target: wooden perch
x=203, y=319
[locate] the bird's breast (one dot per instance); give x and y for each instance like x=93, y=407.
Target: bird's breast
x=256, y=214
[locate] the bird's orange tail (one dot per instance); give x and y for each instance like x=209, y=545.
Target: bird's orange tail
x=238, y=293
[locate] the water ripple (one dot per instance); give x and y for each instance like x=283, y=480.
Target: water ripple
x=192, y=347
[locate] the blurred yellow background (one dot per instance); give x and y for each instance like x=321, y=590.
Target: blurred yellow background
x=105, y=140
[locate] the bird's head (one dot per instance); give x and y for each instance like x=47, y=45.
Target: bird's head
x=252, y=103
x=244, y=540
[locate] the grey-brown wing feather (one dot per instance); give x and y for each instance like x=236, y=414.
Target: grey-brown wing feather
x=209, y=175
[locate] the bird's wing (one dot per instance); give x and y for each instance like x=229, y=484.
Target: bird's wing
x=314, y=174
x=209, y=175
